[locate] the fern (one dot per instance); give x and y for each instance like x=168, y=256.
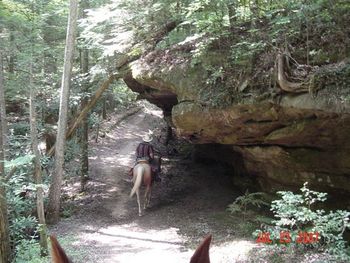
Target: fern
x=241, y=203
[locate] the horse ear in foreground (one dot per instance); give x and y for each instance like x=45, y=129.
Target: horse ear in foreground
x=201, y=255
x=58, y=254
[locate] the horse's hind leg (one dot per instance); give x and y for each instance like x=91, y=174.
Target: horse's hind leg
x=147, y=196
x=138, y=202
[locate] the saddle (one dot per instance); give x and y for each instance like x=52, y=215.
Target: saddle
x=154, y=169
x=142, y=161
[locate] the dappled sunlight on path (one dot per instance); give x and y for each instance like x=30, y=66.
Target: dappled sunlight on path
x=133, y=243
x=107, y=227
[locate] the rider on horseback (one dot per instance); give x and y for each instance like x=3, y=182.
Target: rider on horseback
x=145, y=151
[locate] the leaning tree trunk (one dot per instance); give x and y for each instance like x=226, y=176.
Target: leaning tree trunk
x=5, y=250
x=56, y=180
x=37, y=167
x=92, y=102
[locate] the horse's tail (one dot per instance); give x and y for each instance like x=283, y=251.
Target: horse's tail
x=140, y=171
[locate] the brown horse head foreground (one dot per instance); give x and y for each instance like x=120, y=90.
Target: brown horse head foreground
x=201, y=255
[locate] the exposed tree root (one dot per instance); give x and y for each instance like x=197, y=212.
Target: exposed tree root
x=283, y=82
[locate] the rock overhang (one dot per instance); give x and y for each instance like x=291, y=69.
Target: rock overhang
x=303, y=137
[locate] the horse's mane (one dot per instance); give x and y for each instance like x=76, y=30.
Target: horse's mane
x=201, y=255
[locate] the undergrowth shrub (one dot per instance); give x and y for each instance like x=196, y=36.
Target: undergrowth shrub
x=296, y=214
x=28, y=251
x=21, y=204
x=241, y=203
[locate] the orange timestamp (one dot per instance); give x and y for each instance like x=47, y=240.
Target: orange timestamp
x=285, y=237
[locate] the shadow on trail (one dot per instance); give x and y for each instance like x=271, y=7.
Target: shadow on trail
x=140, y=239
x=188, y=204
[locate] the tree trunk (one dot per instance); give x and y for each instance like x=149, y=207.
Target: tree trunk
x=11, y=61
x=98, y=129
x=84, y=173
x=84, y=131
x=3, y=106
x=5, y=250
x=37, y=167
x=55, y=187
x=169, y=134
x=104, y=108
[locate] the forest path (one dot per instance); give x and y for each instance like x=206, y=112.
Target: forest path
x=188, y=204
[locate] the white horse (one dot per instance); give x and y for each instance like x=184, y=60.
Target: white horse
x=142, y=173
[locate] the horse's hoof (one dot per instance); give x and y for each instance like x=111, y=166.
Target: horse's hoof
x=140, y=214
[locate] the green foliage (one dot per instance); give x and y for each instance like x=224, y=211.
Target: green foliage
x=21, y=201
x=94, y=119
x=20, y=128
x=174, y=37
x=72, y=150
x=243, y=52
x=207, y=16
x=34, y=32
x=21, y=227
x=122, y=94
x=246, y=29
x=28, y=251
x=295, y=213
x=241, y=203
x=20, y=207
x=67, y=212
x=293, y=210
x=19, y=161
x=215, y=74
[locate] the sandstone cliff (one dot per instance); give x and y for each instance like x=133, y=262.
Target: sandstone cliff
x=276, y=131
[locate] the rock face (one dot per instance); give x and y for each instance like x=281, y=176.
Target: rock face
x=279, y=140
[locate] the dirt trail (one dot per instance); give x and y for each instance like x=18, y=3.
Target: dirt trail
x=188, y=204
